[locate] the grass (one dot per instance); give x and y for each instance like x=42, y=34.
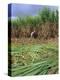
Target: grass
x=34, y=59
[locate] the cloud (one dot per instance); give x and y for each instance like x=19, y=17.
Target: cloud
x=15, y=10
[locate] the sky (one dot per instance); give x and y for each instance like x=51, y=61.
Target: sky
x=15, y=10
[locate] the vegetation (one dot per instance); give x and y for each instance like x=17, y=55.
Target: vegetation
x=29, y=56
x=45, y=23
x=34, y=59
